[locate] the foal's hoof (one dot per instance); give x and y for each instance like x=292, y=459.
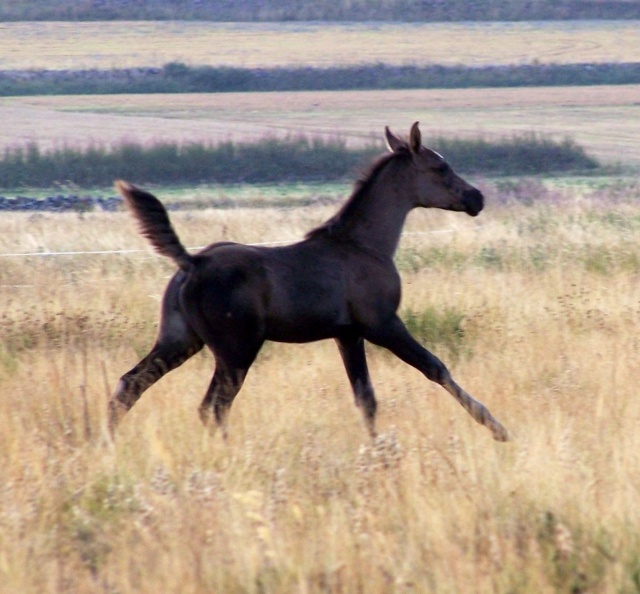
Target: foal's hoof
x=206, y=417
x=117, y=410
x=500, y=433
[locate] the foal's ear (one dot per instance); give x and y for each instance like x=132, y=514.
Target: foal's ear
x=393, y=142
x=415, y=138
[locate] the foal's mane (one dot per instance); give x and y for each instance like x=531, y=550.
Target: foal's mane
x=339, y=221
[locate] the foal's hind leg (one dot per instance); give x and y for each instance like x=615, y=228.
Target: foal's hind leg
x=233, y=359
x=224, y=387
x=395, y=337
x=176, y=343
x=163, y=358
x=355, y=362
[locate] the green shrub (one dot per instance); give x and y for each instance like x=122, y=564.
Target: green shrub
x=439, y=330
x=270, y=160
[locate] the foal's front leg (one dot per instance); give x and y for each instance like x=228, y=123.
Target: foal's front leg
x=395, y=337
x=355, y=362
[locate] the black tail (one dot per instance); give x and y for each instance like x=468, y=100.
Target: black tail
x=154, y=224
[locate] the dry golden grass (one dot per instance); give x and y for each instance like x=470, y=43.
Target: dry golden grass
x=300, y=500
x=125, y=44
x=602, y=119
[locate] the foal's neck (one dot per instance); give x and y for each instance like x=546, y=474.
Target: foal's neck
x=379, y=215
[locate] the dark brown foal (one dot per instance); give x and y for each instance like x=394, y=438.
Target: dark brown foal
x=340, y=282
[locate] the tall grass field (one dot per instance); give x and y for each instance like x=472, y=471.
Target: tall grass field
x=535, y=307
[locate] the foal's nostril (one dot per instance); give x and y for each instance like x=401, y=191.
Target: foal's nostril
x=473, y=201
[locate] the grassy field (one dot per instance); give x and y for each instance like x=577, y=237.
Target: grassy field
x=598, y=118
x=108, y=45
x=300, y=500
x=536, y=302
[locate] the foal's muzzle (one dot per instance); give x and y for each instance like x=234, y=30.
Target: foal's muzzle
x=473, y=202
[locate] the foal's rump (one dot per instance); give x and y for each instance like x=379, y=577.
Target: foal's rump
x=225, y=294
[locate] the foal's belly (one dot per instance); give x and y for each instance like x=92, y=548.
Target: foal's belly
x=307, y=324
x=306, y=301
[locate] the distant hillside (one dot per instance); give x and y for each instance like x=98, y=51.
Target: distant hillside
x=323, y=10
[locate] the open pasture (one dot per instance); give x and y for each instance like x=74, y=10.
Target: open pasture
x=105, y=45
x=545, y=303
x=602, y=119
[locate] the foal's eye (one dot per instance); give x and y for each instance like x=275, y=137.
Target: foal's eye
x=442, y=168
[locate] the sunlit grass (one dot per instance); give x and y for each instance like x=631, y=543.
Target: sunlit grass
x=300, y=500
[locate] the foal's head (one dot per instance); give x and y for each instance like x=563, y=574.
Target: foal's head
x=435, y=183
